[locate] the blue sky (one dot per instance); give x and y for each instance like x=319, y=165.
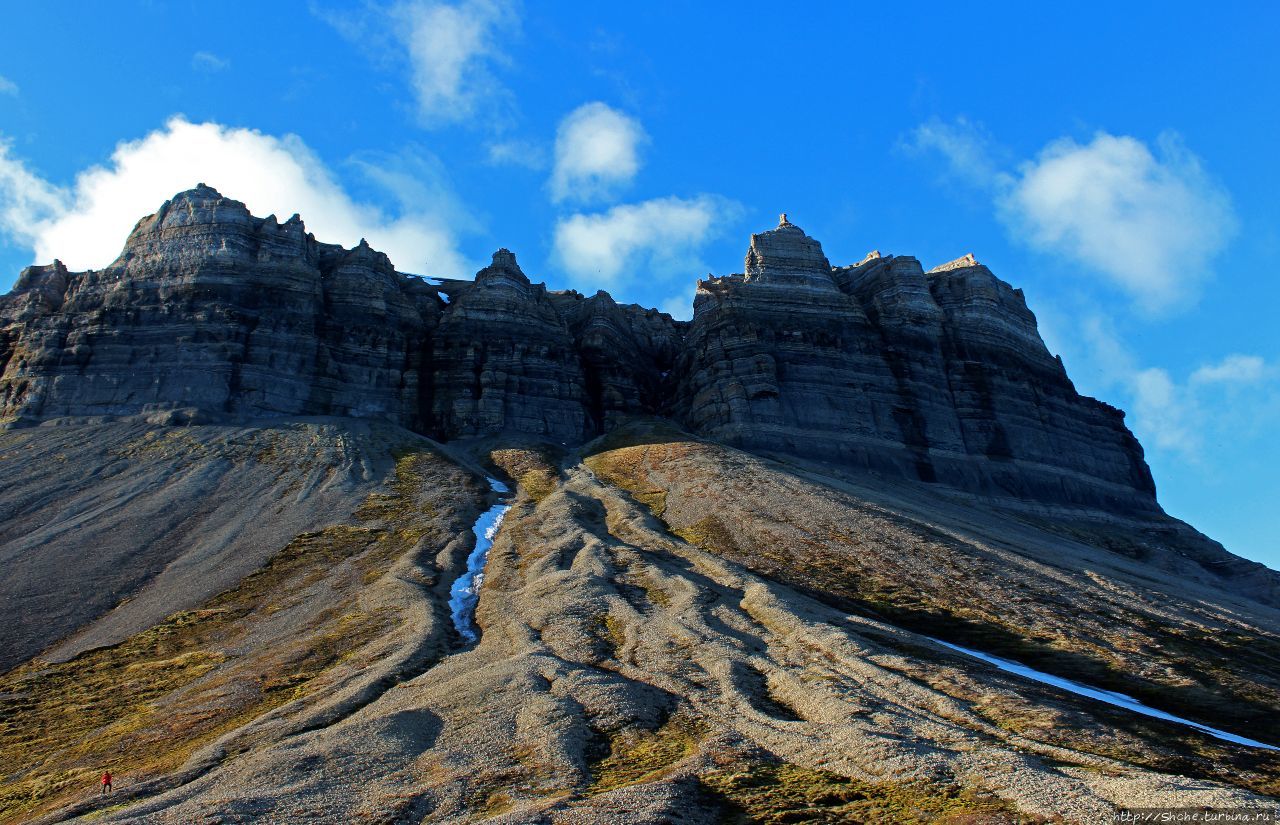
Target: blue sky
x=1119, y=165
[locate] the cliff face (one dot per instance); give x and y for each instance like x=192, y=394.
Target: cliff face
x=502, y=358
x=939, y=376
x=211, y=314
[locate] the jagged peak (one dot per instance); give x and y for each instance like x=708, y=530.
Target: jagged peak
x=786, y=253
x=504, y=258
x=200, y=193
x=364, y=253
x=503, y=269
x=963, y=262
x=38, y=275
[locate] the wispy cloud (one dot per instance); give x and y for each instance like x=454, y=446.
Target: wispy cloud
x=523, y=153
x=656, y=238
x=1232, y=398
x=597, y=153
x=27, y=201
x=208, y=62
x=970, y=152
x=1152, y=222
x=450, y=51
x=8, y=87
x=1149, y=221
x=86, y=223
x=1234, y=369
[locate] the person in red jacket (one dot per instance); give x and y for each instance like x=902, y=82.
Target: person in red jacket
x=106, y=782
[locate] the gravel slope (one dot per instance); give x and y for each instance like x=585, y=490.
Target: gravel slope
x=625, y=673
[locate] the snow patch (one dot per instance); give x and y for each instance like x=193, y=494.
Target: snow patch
x=465, y=591
x=1119, y=700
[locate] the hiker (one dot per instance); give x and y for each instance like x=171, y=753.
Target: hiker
x=106, y=782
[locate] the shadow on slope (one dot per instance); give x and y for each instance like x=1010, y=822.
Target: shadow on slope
x=963, y=571
x=332, y=620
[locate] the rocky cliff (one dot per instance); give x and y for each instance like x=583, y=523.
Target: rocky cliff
x=210, y=314
x=939, y=376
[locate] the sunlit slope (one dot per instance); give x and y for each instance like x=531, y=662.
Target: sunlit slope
x=143, y=521
x=1136, y=605
x=670, y=631
x=292, y=636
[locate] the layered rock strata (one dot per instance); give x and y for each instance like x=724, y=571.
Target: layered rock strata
x=940, y=377
x=211, y=314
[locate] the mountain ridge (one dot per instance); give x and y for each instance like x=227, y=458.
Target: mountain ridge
x=210, y=314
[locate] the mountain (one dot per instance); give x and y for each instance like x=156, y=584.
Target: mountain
x=243, y=469
x=210, y=314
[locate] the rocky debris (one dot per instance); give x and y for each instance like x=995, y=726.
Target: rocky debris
x=629, y=670
x=121, y=524
x=211, y=314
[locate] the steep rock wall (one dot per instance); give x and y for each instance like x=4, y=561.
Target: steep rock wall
x=211, y=314
x=939, y=376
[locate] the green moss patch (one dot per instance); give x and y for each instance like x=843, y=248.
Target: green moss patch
x=142, y=707
x=635, y=757
x=533, y=468
x=770, y=792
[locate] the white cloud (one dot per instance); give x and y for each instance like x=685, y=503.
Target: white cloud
x=208, y=62
x=523, y=153
x=1227, y=401
x=1234, y=369
x=597, y=153
x=661, y=236
x=967, y=148
x=86, y=224
x=8, y=87
x=1167, y=412
x=1162, y=413
x=1152, y=224
x=449, y=49
x=27, y=201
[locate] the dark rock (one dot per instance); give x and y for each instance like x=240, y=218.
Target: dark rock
x=209, y=308
x=939, y=377
x=503, y=359
x=627, y=354
x=211, y=314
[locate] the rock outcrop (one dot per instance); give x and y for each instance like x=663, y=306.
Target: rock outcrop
x=502, y=359
x=211, y=314
x=940, y=377
x=627, y=354
x=249, y=618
